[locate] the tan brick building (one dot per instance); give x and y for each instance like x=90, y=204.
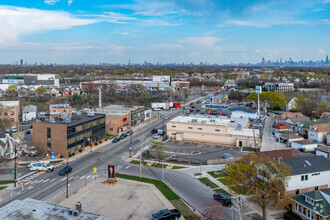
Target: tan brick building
x=210, y=130
x=56, y=109
x=66, y=136
x=9, y=110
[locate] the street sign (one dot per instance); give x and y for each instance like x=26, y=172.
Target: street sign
x=95, y=169
x=52, y=155
x=258, y=89
x=14, y=171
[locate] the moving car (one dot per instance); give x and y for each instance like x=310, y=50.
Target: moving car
x=41, y=167
x=191, y=103
x=115, y=140
x=198, y=102
x=227, y=156
x=223, y=198
x=166, y=214
x=166, y=117
x=64, y=170
x=156, y=136
x=154, y=131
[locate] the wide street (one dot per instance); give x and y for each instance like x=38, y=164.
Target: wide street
x=51, y=187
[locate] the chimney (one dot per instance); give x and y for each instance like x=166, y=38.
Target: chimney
x=100, y=98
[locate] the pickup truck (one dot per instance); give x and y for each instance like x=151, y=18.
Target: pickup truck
x=166, y=214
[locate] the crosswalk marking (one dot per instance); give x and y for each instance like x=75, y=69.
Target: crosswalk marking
x=63, y=179
x=32, y=182
x=46, y=180
x=51, y=180
x=82, y=177
x=88, y=176
x=39, y=181
x=71, y=178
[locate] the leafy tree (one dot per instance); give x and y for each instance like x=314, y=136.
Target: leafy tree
x=275, y=99
x=41, y=90
x=306, y=106
x=323, y=106
x=12, y=90
x=158, y=148
x=259, y=177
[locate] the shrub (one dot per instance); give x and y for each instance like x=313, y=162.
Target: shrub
x=61, y=156
x=73, y=153
x=80, y=150
x=289, y=215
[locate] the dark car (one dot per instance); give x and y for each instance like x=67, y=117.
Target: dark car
x=191, y=103
x=166, y=214
x=115, y=140
x=193, y=106
x=154, y=131
x=223, y=198
x=64, y=170
x=122, y=136
x=129, y=133
x=198, y=102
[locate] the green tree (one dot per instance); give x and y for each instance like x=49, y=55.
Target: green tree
x=275, y=99
x=260, y=177
x=12, y=90
x=323, y=106
x=158, y=148
x=41, y=90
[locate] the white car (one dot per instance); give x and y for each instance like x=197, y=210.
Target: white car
x=41, y=167
x=157, y=109
x=13, y=129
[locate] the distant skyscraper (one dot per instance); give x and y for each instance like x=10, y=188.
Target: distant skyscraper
x=327, y=59
x=21, y=62
x=263, y=60
x=129, y=62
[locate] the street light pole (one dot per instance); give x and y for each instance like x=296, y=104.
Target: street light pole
x=163, y=171
x=141, y=160
x=67, y=177
x=164, y=133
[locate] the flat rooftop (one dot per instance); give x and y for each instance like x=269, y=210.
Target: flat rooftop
x=75, y=119
x=201, y=120
x=124, y=107
x=21, y=210
x=246, y=132
x=9, y=104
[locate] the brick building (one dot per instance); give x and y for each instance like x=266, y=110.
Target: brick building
x=55, y=110
x=116, y=123
x=9, y=110
x=68, y=135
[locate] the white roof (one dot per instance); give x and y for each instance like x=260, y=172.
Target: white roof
x=9, y=104
x=201, y=120
x=247, y=132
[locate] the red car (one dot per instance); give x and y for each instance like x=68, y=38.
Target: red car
x=191, y=110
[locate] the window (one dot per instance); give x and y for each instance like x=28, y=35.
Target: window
x=111, y=129
x=12, y=119
x=296, y=206
x=316, y=188
x=315, y=174
x=299, y=208
x=189, y=127
x=297, y=191
x=173, y=126
x=125, y=119
x=6, y=113
x=49, y=133
x=12, y=113
x=309, y=200
x=304, y=211
x=308, y=213
x=304, y=177
x=199, y=128
x=217, y=129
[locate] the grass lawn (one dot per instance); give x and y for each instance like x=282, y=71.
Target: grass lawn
x=217, y=174
x=110, y=136
x=3, y=187
x=56, y=161
x=23, y=164
x=223, y=181
x=198, y=174
x=167, y=192
x=208, y=182
x=177, y=167
x=248, y=149
x=6, y=181
x=159, y=165
x=138, y=162
x=221, y=191
x=195, y=152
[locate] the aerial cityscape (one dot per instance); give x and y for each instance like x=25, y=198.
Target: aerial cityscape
x=178, y=109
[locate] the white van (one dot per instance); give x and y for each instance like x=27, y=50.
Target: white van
x=41, y=166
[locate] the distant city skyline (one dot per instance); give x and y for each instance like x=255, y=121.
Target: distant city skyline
x=156, y=31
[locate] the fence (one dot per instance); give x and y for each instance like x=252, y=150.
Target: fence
x=222, y=161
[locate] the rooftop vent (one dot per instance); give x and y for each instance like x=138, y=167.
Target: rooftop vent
x=90, y=114
x=194, y=120
x=238, y=127
x=36, y=214
x=308, y=163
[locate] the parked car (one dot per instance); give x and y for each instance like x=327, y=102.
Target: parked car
x=156, y=136
x=223, y=198
x=7, y=130
x=193, y=106
x=122, y=136
x=166, y=214
x=191, y=103
x=191, y=110
x=157, y=109
x=198, y=102
x=115, y=140
x=160, y=131
x=32, y=153
x=13, y=129
x=227, y=156
x=129, y=133
x=154, y=131
x=64, y=170
x=166, y=117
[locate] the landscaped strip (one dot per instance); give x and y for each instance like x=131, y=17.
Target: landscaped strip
x=6, y=181
x=177, y=167
x=217, y=174
x=167, y=192
x=208, y=182
x=3, y=187
x=56, y=161
x=221, y=191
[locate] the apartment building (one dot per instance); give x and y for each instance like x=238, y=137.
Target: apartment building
x=55, y=110
x=279, y=87
x=116, y=123
x=9, y=110
x=211, y=130
x=65, y=136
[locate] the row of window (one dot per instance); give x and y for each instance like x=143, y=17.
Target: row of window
x=305, y=211
x=78, y=128
x=6, y=113
x=173, y=126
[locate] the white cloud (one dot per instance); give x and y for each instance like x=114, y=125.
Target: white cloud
x=70, y=2
x=51, y=2
x=17, y=21
x=322, y=52
x=117, y=18
x=266, y=23
x=165, y=46
x=201, y=41
x=126, y=34
x=326, y=1
x=159, y=22
x=318, y=9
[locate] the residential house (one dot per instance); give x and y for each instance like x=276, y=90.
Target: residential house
x=288, y=138
x=294, y=120
x=323, y=151
x=292, y=104
x=304, y=145
x=308, y=173
x=312, y=205
x=54, y=92
x=302, y=127
x=75, y=91
x=29, y=113
x=318, y=132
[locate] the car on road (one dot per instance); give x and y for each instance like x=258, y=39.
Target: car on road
x=157, y=109
x=64, y=170
x=115, y=140
x=154, y=131
x=6, y=130
x=166, y=117
x=122, y=136
x=166, y=214
x=160, y=132
x=156, y=136
x=198, y=110
x=227, y=156
x=191, y=110
x=41, y=167
x=193, y=106
x=13, y=129
x=191, y=103
x=129, y=133
x=224, y=199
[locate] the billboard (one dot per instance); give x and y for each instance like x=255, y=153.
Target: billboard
x=111, y=171
x=165, y=78
x=258, y=89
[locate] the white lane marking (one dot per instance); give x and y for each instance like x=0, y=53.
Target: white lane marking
x=39, y=181
x=31, y=187
x=71, y=178
x=82, y=177
x=26, y=183
x=63, y=179
x=88, y=176
x=46, y=180
x=76, y=178
x=26, y=175
x=33, y=182
x=51, y=180
x=128, y=166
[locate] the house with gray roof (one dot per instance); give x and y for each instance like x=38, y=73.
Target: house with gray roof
x=312, y=205
x=29, y=113
x=308, y=173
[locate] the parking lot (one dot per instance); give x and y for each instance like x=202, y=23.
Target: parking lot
x=199, y=152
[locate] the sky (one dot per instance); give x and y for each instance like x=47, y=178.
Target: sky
x=164, y=31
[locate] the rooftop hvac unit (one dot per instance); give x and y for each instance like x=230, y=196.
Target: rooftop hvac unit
x=239, y=127
x=90, y=114
x=212, y=120
x=52, y=120
x=194, y=120
x=67, y=120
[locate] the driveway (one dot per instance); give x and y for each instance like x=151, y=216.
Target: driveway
x=268, y=140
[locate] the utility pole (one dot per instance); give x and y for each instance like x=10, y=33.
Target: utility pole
x=15, y=156
x=67, y=177
x=163, y=171
x=141, y=160
x=164, y=133
x=130, y=144
x=288, y=135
